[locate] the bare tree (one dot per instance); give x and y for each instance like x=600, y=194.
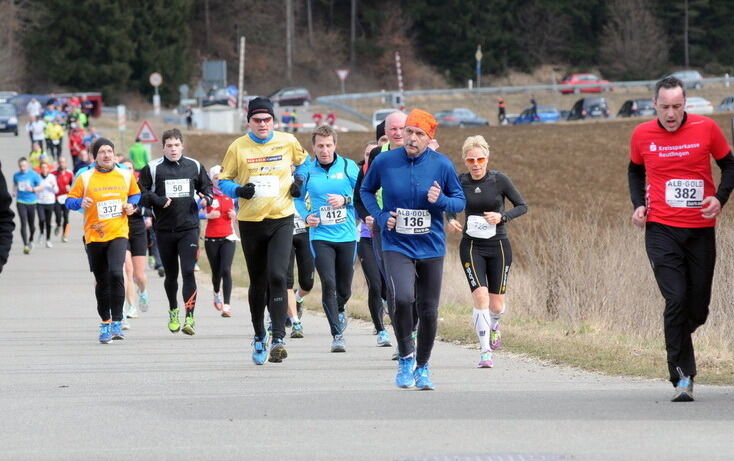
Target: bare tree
x=11, y=53
x=544, y=32
x=634, y=44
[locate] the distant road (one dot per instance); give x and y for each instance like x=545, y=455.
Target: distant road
x=161, y=396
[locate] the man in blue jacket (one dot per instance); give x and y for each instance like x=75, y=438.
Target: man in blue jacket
x=418, y=185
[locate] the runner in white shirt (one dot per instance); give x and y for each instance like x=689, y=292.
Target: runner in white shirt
x=46, y=201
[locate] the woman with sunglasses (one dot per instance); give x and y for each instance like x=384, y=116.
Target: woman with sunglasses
x=485, y=250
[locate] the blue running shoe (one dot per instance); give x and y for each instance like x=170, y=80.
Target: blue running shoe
x=116, y=330
x=259, y=351
x=383, y=339
x=297, y=331
x=105, y=333
x=683, y=389
x=405, y=377
x=423, y=378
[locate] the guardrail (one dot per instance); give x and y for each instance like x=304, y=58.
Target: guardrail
x=389, y=95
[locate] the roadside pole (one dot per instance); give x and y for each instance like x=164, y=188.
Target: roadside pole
x=156, y=79
x=121, y=123
x=478, y=56
x=399, y=71
x=241, y=80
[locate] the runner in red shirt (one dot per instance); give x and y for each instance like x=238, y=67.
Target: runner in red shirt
x=675, y=200
x=64, y=178
x=76, y=142
x=219, y=243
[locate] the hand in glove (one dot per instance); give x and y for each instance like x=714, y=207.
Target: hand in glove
x=246, y=191
x=296, y=186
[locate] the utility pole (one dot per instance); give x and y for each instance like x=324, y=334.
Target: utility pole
x=309, y=15
x=353, y=38
x=289, y=40
x=206, y=25
x=241, y=82
x=685, y=32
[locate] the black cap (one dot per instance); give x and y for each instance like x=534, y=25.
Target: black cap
x=98, y=144
x=260, y=106
x=380, y=130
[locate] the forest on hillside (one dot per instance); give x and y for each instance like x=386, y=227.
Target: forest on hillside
x=113, y=45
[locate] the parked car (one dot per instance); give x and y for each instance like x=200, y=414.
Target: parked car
x=568, y=84
x=459, y=117
x=594, y=107
x=546, y=114
x=696, y=105
x=379, y=115
x=291, y=97
x=637, y=108
x=690, y=78
x=6, y=95
x=8, y=119
x=727, y=104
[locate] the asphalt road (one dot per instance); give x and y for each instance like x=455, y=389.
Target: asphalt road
x=161, y=396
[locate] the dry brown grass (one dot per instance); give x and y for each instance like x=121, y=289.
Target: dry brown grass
x=581, y=290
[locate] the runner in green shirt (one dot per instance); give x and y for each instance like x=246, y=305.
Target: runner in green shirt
x=139, y=155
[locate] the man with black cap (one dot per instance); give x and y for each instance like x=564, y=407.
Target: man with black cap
x=107, y=194
x=257, y=170
x=169, y=185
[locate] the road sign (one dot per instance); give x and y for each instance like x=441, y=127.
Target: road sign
x=155, y=79
x=342, y=73
x=478, y=54
x=146, y=133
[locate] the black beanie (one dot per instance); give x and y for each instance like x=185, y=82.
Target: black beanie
x=380, y=130
x=99, y=143
x=260, y=106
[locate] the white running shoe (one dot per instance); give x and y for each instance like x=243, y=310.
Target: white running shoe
x=130, y=310
x=49, y=244
x=125, y=324
x=143, y=301
x=218, y=301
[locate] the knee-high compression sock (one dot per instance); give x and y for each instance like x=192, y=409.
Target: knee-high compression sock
x=482, y=323
x=496, y=317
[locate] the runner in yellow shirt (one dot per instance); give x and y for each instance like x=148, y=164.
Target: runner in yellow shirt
x=257, y=170
x=107, y=194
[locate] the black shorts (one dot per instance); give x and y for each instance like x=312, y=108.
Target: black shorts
x=486, y=263
x=138, y=237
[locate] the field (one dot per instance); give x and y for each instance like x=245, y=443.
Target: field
x=581, y=291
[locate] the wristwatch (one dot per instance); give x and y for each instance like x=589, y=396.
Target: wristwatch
x=503, y=219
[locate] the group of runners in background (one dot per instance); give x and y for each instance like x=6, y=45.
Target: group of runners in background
x=320, y=213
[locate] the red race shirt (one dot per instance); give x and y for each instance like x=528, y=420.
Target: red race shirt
x=678, y=168
x=221, y=226
x=64, y=181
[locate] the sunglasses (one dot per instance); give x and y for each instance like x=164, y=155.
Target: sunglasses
x=262, y=120
x=476, y=160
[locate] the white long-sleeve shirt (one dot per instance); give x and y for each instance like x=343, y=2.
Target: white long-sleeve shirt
x=47, y=195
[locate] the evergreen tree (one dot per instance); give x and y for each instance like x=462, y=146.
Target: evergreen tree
x=161, y=34
x=85, y=48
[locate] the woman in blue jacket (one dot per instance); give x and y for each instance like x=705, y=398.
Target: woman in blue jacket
x=330, y=185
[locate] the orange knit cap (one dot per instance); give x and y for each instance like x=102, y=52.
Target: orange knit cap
x=423, y=120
